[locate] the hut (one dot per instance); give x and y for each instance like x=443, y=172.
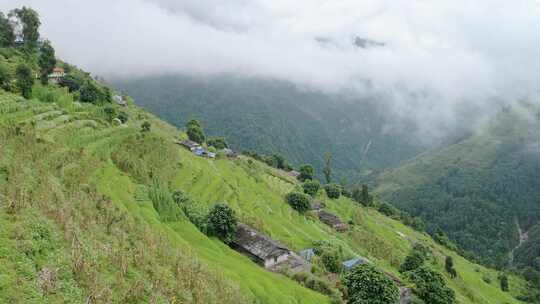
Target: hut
x=190, y=145
x=332, y=221
x=57, y=75
x=259, y=247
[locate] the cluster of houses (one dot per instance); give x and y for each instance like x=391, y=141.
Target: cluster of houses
x=199, y=150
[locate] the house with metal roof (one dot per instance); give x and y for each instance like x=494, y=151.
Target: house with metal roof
x=350, y=264
x=259, y=247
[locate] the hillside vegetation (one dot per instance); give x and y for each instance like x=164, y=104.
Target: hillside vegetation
x=270, y=116
x=88, y=213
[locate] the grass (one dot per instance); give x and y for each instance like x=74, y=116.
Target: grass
x=86, y=179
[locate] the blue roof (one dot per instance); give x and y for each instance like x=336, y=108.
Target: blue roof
x=307, y=254
x=354, y=262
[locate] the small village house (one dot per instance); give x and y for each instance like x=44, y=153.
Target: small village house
x=120, y=100
x=332, y=221
x=57, y=75
x=259, y=247
x=190, y=145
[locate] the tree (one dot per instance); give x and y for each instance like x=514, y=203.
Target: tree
x=7, y=35
x=362, y=196
x=72, y=82
x=217, y=142
x=327, y=171
x=504, y=282
x=47, y=61
x=449, y=266
x=110, y=112
x=25, y=80
x=306, y=172
x=414, y=260
x=28, y=20
x=298, y=201
x=332, y=190
x=89, y=92
x=331, y=260
x=195, y=131
x=5, y=78
x=431, y=287
x=387, y=209
x=123, y=116
x=145, y=127
x=222, y=222
x=368, y=285
x=311, y=187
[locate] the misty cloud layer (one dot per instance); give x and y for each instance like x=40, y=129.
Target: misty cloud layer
x=438, y=57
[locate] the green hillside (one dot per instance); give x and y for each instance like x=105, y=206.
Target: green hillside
x=479, y=190
x=270, y=116
x=88, y=214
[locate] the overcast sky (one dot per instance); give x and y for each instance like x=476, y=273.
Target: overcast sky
x=452, y=51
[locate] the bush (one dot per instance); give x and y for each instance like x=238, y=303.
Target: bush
x=222, y=222
x=333, y=190
x=25, y=80
x=146, y=126
x=217, y=142
x=298, y=201
x=387, y=209
x=195, y=131
x=311, y=187
x=306, y=172
x=431, y=287
x=5, y=78
x=449, y=266
x=194, y=212
x=367, y=285
x=504, y=283
x=123, y=116
x=331, y=260
x=413, y=261
x=72, y=82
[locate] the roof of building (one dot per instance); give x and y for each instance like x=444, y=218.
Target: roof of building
x=307, y=254
x=58, y=70
x=119, y=100
x=316, y=205
x=329, y=218
x=257, y=243
x=349, y=264
x=190, y=144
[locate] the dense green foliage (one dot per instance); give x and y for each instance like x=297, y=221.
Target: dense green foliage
x=222, y=222
x=362, y=196
x=431, y=287
x=504, y=282
x=476, y=189
x=449, y=266
x=311, y=187
x=217, y=142
x=298, y=201
x=30, y=23
x=7, y=36
x=368, y=285
x=306, y=172
x=269, y=116
x=25, y=80
x=195, y=131
x=332, y=190
x=46, y=61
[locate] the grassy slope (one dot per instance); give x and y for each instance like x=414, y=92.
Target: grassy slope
x=255, y=192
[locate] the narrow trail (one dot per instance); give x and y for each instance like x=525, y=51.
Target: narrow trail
x=523, y=237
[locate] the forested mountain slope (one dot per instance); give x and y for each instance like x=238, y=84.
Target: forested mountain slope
x=270, y=116
x=100, y=204
x=478, y=189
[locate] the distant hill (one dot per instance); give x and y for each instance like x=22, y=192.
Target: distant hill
x=477, y=190
x=272, y=116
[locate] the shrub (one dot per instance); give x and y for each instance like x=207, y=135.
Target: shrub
x=195, y=131
x=431, y=287
x=504, y=283
x=306, y=172
x=366, y=285
x=72, y=82
x=123, y=116
x=146, y=126
x=90, y=92
x=25, y=80
x=413, y=261
x=311, y=187
x=387, y=209
x=222, y=222
x=331, y=260
x=332, y=190
x=298, y=201
x=194, y=212
x=5, y=78
x=217, y=142
x=449, y=266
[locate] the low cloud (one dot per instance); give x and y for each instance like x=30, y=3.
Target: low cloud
x=439, y=58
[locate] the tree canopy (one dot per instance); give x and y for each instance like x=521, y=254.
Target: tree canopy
x=306, y=172
x=28, y=20
x=25, y=80
x=298, y=201
x=368, y=285
x=47, y=61
x=222, y=222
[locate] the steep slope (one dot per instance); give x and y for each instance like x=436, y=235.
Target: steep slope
x=476, y=189
x=271, y=116
x=82, y=184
